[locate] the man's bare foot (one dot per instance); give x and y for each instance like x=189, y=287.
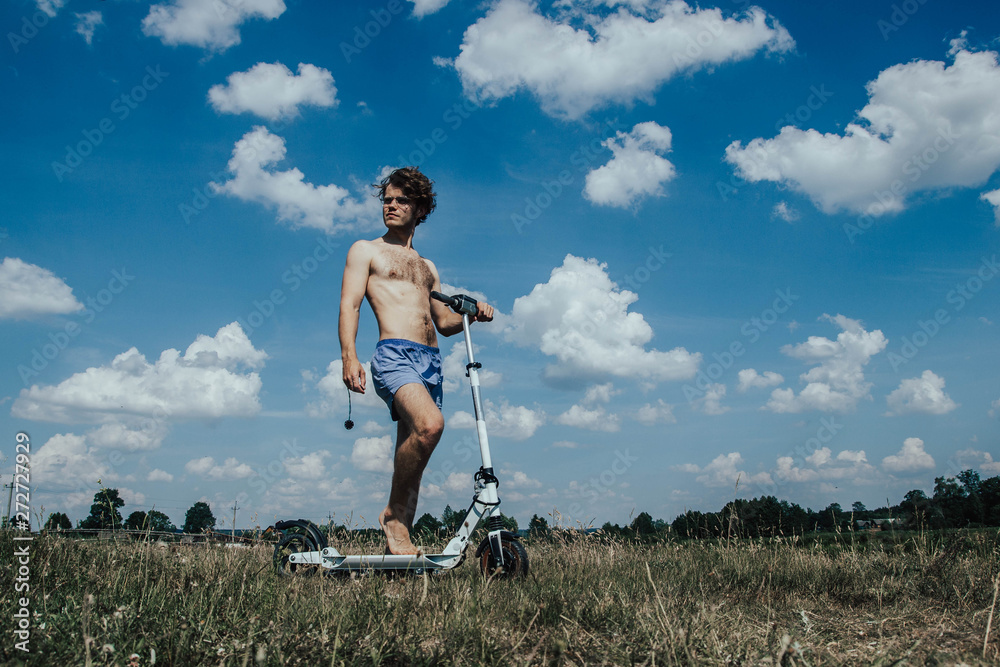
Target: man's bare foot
x=397, y=535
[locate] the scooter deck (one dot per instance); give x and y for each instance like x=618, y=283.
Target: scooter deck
x=330, y=559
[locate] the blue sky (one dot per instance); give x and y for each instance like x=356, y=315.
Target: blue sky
x=738, y=250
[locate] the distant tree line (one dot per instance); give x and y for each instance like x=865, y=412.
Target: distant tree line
x=105, y=515
x=957, y=502
x=961, y=501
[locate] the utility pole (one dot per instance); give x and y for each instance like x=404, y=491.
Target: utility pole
x=234, y=508
x=10, y=499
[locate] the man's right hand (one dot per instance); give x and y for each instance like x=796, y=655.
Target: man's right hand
x=354, y=375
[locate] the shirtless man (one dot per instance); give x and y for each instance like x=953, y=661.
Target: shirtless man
x=406, y=367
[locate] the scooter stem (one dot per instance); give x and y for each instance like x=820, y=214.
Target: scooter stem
x=472, y=370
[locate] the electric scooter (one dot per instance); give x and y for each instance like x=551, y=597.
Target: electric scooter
x=304, y=549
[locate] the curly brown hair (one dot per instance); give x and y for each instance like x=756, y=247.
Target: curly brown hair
x=414, y=185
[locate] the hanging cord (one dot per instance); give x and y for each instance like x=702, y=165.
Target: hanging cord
x=348, y=424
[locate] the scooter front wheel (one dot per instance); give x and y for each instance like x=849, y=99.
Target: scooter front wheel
x=515, y=558
x=294, y=543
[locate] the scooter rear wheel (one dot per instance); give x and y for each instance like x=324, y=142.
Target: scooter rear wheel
x=293, y=543
x=515, y=558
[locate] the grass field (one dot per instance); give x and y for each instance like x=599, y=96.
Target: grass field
x=900, y=599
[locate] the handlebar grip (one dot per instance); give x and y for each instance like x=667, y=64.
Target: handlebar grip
x=449, y=300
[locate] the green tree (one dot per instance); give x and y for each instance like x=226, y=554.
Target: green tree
x=858, y=507
x=58, y=521
x=690, y=524
x=989, y=492
x=643, y=524
x=538, y=526
x=508, y=522
x=970, y=480
x=160, y=522
x=451, y=520
x=199, y=518
x=427, y=525
x=830, y=518
x=610, y=529
x=914, y=500
x=136, y=520
x=104, y=512
x=949, y=502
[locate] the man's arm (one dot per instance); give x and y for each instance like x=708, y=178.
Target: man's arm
x=352, y=293
x=447, y=321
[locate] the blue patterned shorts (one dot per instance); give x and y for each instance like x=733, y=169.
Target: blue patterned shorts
x=397, y=362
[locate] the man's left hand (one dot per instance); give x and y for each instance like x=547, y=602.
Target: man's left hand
x=484, y=312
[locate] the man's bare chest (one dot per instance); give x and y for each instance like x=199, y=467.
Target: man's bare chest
x=397, y=266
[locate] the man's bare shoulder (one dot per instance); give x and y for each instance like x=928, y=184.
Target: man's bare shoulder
x=365, y=246
x=430, y=265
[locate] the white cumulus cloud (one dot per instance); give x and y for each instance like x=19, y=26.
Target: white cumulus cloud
x=636, y=170
x=133, y=438
x=206, y=468
x=329, y=208
x=272, y=91
x=785, y=212
x=596, y=419
x=724, y=471
x=910, y=458
x=50, y=7
x=924, y=394
x=983, y=461
x=27, y=291
x=586, y=57
x=661, y=413
x=581, y=318
x=87, y=23
x=711, y=402
x=308, y=467
x=927, y=126
x=993, y=199
x=66, y=462
x=837, y=383
x=749, y=378
x=211, y=25
x=157, y=475
x=373, y=454
x=516, y=422
x=422, y=8
x=213, y=378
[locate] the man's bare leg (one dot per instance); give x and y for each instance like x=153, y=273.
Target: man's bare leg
x=419, y=430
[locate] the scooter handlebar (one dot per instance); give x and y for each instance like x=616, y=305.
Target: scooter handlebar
x=447, y=300
x=460, y=303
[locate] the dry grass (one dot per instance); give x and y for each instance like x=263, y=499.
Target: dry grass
x=918, y=599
